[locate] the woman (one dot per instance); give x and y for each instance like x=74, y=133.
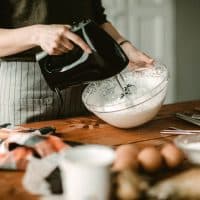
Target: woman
x=27, y=27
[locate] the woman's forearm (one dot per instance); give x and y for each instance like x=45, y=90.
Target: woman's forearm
x=14, y=41
x=54, y=39
x=111, y=30
x=136, y=57
x=17, y=40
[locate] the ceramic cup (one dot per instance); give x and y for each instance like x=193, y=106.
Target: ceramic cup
x=85, y=172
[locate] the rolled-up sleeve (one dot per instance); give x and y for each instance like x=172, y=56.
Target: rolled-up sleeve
x=99, y=12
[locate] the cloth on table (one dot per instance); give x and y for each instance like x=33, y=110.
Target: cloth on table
x=19, y=144
x=38, y=152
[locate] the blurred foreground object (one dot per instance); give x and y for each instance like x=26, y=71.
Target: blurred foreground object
x=183, y=186
x=19, y=144
x=131, y=186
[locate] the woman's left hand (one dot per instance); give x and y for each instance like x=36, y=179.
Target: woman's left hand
x=137, y=59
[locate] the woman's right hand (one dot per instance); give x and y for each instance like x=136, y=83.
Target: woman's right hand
x=59, y=39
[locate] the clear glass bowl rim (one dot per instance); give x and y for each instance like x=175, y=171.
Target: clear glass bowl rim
x=144, y=98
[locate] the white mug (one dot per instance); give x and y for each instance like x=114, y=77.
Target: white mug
x=85, y=172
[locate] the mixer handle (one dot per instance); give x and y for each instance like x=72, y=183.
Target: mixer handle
x=39, y=56
x=82, y=59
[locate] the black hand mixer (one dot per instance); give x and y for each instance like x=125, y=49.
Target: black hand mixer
x=78, y=67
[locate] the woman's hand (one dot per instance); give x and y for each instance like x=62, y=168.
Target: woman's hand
x=137, y=59
x=58, y=39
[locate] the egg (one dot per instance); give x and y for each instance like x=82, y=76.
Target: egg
x=126, y=157
x=150, y=159
x=173, y=156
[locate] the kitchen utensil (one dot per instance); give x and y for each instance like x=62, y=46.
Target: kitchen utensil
x=176, y=131
x=190, y=144
x=188, y=118
x=146, y=93
x=76, y=67
x=85, y=172
x=196, y=116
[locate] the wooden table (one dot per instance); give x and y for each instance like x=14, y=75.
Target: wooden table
x=96, y=131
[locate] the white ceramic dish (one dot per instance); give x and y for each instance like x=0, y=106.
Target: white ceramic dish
x=148, y=89
x=190, y=145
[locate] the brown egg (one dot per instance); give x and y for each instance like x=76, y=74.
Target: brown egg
x=150, y=159
x=126, y=157
x=172, y=155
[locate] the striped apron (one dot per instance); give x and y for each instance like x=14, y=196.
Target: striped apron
x=25, y=96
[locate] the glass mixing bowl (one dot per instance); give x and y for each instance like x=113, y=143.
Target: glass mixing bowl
x=130, y=98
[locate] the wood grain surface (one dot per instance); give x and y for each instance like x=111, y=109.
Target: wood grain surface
x=91, y=130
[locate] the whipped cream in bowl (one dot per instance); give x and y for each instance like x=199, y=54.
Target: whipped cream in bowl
x=130, y=98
